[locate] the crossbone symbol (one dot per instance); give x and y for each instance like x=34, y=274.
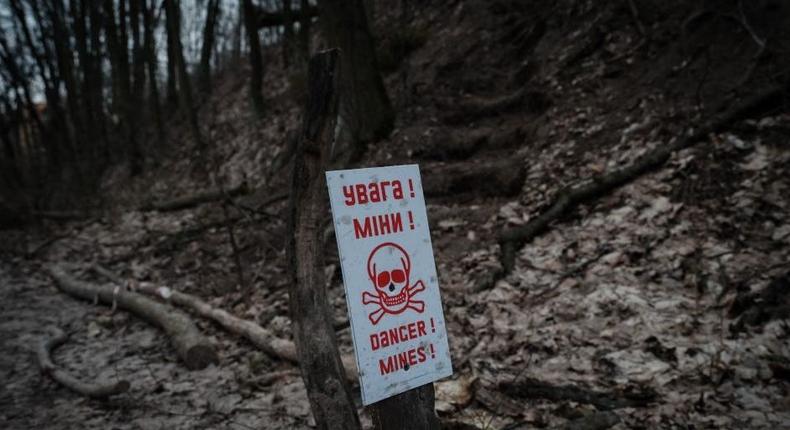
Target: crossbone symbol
x=389, y=268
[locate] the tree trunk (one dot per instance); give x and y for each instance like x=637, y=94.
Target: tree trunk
x=138, y=85
x=192, y=347
x=316, y=343
x=65, y=62
x=173, y=12
x=117, y=43
x=365, y=108
x=288, y=33
x=212, y=15
x=304, y=32
x=256, y=62
x=171, y=96
x=149, y=46
x=413, y=409
x=89, y=115
x=95, y=81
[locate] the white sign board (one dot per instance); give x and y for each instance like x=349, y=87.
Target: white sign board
x=392, y=290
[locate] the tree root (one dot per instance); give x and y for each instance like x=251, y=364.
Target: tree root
x=192, y=347
x=530, y=388
x=512, y=240
x=98, y=390
x=196, y=199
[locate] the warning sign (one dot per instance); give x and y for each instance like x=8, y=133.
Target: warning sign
x=390, y=279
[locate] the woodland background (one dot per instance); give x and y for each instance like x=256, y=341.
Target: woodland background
x=607, y=185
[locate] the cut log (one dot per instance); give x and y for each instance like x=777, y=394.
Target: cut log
x=263, y=339
x=530, y=388
x=196, y=199
x=192, y=347
x=96, y=389
x=495, y=178
x=512, y=240
x=316, y=342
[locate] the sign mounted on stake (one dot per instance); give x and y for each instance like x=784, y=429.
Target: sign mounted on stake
x=392, y=289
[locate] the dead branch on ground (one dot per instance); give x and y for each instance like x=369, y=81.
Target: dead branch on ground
x=192, y=347
x=97, y=389
x=530, y=388
x=512, y=240
x=263, y=339
x=196, y=199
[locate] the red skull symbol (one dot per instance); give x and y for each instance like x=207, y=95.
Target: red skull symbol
x=389, y=267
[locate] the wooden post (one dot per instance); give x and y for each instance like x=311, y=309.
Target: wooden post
x=413, y=409
x=314, y=336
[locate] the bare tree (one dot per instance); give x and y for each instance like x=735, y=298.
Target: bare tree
x=173, y=12
x=365, y=108
x=209, y=30
x=256, y=62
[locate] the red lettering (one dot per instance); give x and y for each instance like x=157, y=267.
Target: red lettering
x=384, y=185
x=373, y=192
x=349, y=193
x=421, y=353
x=403, y=359
x=412, y=357
x=377, y=225
x=362, y=194
x=397, y=190
x=384, y=224
x=362, y=231
x=374, y=342
x=386, y=367
x=397, y=222
x=403, y=331
x=421, y=328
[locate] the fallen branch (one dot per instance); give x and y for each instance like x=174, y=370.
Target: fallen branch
x=530, y=388
x=512, y=240
x=98, y=390
x=196, y=199
x=192, y=347
x=263, y=339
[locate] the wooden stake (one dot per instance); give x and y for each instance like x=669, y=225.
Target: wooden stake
x=316, y=343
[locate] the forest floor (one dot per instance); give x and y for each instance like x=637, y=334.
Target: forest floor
x=643, y=293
